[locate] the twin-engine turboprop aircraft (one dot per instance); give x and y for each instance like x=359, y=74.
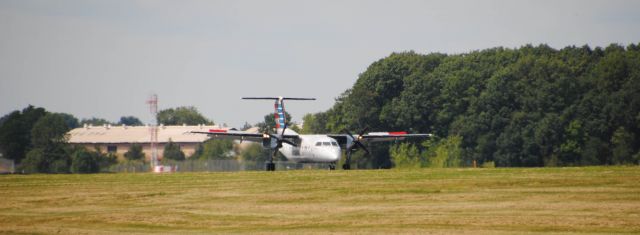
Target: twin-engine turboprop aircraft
x=318, y=148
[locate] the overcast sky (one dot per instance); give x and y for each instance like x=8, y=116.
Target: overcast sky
x=104, y=58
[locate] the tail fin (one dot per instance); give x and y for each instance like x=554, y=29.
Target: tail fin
x=280, y=117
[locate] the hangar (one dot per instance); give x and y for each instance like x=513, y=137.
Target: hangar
x=118, y=139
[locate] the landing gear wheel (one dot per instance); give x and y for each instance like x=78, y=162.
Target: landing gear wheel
x=271, y=166
x=346, y=166
x=332, y=167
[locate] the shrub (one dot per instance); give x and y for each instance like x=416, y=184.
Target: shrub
x=172, y=152
x=84, y=162
x=405, y=155
x=134, y=153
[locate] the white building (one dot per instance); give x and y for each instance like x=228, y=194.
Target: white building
x=118, y=139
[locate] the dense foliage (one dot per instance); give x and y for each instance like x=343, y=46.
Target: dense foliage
x=269, y=123
x=15, y=132
x=83, y=161
x=130, y=121
x=532, y=106
x=172, y=151
x=94, y=121
x=215, y=149
x=134, y=153
x=182, y=115
x=37, y=140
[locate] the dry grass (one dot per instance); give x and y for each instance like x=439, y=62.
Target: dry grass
x=462, y=201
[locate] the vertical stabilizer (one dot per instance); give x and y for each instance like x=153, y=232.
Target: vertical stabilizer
x=279, y=117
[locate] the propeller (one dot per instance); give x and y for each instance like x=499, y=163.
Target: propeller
x=356, y=141
x=279, y=140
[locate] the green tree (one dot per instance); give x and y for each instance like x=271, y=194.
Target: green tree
x=15, y=132
x=217, y=149
x=172, y=151
x=134, y=153
x=35, y=161
x=447, y=153
x=254, y=152
x=622, y=146
x=314, y=123
x=182, y=115
x=405, y=155
x=269, y=123
x=49, y=130
x=130, y=121
x=49, y=153
x=83, y=161
x=94, y=121
x=70, y=120
x=529, y=106
x=571, y=150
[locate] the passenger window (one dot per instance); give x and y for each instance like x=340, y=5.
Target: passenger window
x=334, y=143
x=326, y=144
x=318, y=143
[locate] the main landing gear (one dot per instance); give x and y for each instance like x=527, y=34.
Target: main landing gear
x=271, y=166
x=353, y=143
x=332, y=166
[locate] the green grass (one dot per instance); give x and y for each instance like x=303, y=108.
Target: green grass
x=592, y=200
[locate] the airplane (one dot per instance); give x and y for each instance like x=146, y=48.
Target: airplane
x=315, y=148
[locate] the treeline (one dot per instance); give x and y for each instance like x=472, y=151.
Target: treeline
x=36, y=140
x=532, y=106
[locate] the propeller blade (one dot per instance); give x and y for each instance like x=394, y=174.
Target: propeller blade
x=362, y=146
x=363, y=131
x=349, y=133
x=289, y=142
x=285, y=127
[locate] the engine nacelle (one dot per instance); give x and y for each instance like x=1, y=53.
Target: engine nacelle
x=269, y=143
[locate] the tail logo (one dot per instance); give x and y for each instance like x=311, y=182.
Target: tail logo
x=280, y=118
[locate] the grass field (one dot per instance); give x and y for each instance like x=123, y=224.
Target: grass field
x=469, y=201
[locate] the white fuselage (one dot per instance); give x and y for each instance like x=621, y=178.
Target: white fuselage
x=313, y=149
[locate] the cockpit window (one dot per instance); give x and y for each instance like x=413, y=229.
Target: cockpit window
x=326, y=143
x=334, y=143
x=318, y=143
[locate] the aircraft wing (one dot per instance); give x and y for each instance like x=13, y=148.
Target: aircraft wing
x=238, y=135
x=379, y=136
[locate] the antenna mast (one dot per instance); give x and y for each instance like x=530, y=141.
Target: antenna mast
x=153, y=129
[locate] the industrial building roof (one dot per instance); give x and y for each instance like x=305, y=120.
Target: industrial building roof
x=138, y=134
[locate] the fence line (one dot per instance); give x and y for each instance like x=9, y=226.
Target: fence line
x=214, y=166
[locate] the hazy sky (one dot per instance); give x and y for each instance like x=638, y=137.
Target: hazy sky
x=104, y=58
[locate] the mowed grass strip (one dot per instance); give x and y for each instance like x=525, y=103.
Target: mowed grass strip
x=491, y=201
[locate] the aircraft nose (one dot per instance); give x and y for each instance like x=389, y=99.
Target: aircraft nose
x=336, y=154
